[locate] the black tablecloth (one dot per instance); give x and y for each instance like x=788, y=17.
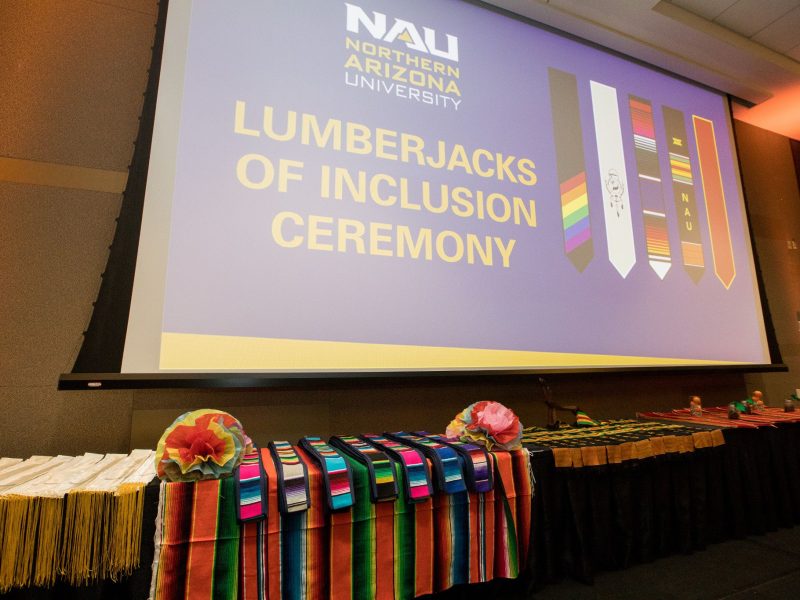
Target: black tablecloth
x=604, y=517
x=612, y=516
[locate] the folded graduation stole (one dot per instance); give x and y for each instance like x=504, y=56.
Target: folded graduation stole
x=293, y=494
x=335, y=472
x=446, y=464
x=382, y=481
x=417, y=481
x=477, y=469
x=251, y=488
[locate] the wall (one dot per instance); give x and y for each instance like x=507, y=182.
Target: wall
x=73, y=74
x=771, y=187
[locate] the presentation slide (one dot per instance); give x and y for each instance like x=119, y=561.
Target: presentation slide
x=416, y=185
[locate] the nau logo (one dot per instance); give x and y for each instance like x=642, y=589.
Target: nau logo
x=378, y=27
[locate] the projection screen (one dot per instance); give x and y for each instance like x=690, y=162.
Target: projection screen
x=415, y=185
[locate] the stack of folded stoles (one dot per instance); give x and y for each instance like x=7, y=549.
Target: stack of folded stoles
x=77, y=518
x=612, y=442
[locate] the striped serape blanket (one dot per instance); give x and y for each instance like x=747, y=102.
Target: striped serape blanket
x=385, y=550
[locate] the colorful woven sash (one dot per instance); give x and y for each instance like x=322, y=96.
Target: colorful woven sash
x=477, y=470
x=292, y=478
x=383, y=484
x=336, y=473
x=446, y=465
x=251, y=488
x=417, y=480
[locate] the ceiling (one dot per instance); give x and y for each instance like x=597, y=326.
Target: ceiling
x=747, y=48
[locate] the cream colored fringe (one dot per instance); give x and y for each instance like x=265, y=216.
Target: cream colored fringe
x=81, y=537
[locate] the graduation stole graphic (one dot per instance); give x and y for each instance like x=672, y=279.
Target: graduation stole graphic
x=648, y=152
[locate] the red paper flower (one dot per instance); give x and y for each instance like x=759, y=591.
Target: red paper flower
x=203, y=444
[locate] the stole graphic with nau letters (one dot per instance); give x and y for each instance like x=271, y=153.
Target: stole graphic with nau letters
x=683, y=193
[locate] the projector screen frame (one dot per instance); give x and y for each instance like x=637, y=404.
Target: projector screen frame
x=268, y=379
x=317, y=379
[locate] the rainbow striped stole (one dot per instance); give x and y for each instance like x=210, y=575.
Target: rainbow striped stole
x=292, y=477
x=197, y=541
x=584, y=420
x=251, y=488
x=335, y=470
x=382, y=479
x=416, y=477
x=446, y=464
x=477, y=469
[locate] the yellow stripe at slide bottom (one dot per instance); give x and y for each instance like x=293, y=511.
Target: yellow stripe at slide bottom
x=183, y=351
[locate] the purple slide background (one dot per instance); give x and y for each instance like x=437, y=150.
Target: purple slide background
x=227, y=276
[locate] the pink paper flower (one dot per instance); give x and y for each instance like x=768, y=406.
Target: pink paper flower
x=487, y=423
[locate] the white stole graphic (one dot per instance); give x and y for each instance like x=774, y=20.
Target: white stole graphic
x=611, y=156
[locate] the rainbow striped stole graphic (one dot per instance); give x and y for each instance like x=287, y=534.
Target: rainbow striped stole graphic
x=567, y=132
x=650, y=187
x=683, y=193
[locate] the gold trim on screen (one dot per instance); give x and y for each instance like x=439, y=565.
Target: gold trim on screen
x=183, y=351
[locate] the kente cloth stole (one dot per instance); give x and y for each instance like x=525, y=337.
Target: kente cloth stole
x=293, y=494
x=383, y=483
x=251, y=488
x=197, y=541
x=446, y=464
x=477, y=468
x=336, y=473
x=418, y=486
